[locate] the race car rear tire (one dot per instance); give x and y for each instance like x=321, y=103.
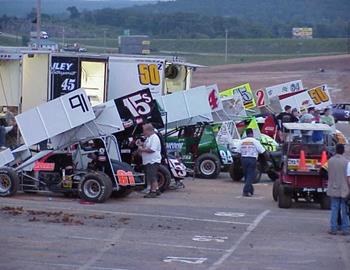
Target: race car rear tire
x=9, y=182
x=284, y=199
x=275, y=190
x=258, y=174
x=122, y=193
x=164, y=178
x=236, y=171
x=95, y=187
x=325, y=202
x=207, y=166
x=273, y=175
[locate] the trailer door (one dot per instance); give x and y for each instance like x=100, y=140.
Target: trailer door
x=35, y=80
x=10, y=82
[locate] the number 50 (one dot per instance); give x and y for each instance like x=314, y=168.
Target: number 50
x=318, y=95
x=149, y=74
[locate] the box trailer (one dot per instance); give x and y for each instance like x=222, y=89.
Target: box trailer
x=30, y=77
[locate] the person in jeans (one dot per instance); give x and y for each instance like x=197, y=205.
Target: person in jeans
x=249, y=148
x=150, y=151
x=338, y=189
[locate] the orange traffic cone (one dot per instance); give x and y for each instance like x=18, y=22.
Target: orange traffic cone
x=324, y=158
x=302, y=162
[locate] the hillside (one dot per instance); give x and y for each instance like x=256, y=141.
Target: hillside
x=21, y=8
x=266, y=11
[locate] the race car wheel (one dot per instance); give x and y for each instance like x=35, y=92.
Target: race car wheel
x=95, y=187
x=164, y=178
x=258, y=174
x=273, y=175
x=284, y=199
x=122, y=193
x=207, y=166
x=9, y=182
x=275, y=190
x=236, y=171
x=325, y=202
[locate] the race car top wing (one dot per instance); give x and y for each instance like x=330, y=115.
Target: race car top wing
x=55, y=117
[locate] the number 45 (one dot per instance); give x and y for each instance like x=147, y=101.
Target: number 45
x=68, y=85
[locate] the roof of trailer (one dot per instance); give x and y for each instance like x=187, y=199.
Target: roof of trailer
x=307, y=126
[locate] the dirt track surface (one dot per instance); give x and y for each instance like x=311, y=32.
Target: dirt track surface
x=263, y=74
x=206, y=226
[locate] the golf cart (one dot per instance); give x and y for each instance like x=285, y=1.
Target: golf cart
x=199, y=150
x=302, y=176
x=83, y=159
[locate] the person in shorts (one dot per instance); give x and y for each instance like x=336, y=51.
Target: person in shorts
x=150, y=151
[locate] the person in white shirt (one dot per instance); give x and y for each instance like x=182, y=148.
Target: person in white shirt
x=249, y=148
x=150, y=151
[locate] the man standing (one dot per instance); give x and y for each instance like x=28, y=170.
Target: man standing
x=151, y=158
x=338, y=189
x=250, y=148
x=327, y=118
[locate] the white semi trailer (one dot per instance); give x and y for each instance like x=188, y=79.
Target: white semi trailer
x=30, y=77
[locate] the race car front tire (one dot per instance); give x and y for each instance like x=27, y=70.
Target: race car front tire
x=9, y=182
x=207, y=166
x=95, y=187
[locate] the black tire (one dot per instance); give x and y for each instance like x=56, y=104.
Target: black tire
x=273, y=175
x=237, y=174
x=275, y=190
x=95, y=187
x=122, y=193
x=325, y=202
x=207, y=166
x=9, y=182
x=236, y=171
x=284, y=199
x=258, y=174
x=164, y=178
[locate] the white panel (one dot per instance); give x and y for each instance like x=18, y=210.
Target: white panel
x=214, y=99
x=31, y=126
x=197, y=101
x=284, y=88
x=10, y=78
x=107, y=122
x=55, y=117
x=124, y=76
x=187, y=107
x=317, y=97
x=35, y=81
x=175, y=106
x=6, y=157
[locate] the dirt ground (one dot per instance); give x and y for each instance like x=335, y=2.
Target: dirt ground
x=263, y=74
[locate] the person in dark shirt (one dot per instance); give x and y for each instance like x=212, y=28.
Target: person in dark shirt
x=285, y=117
